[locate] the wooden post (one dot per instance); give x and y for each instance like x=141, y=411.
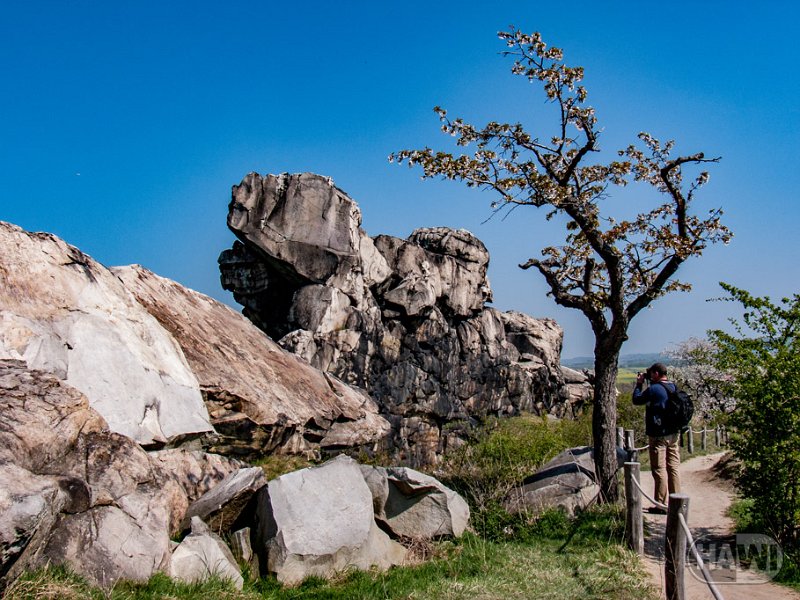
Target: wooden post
x=630, y=446
x=704, y=439
x=690, y=441
x=620, y=437
x=717, y=437
x=682, y=440
x=675, y=547
x=634, y=522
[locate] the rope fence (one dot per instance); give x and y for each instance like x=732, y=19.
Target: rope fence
x=677, y=534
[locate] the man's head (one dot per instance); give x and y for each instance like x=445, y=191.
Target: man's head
x=657, y=372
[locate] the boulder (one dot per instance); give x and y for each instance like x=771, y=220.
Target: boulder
x=29, y=504
x=318, y=521
x=202, y=555
x=567, y=482
x=223, y=505
x=410, y=504
x=404, y=319
x=63, y=313
x=261, y=398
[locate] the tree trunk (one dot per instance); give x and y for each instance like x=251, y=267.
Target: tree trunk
x=604, y=418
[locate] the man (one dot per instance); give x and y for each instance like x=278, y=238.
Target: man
x=665, y=455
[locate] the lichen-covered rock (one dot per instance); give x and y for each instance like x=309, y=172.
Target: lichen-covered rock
x=64, y=313
x=404, y=319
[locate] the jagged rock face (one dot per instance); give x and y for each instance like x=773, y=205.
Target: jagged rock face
x=73, y=492
x=64, y=313
x=261, y=398
x=404, y=319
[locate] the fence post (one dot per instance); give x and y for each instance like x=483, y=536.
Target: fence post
x=630, y=446
x=634, y=521
x=675, y=547
x=717, y=437
x=690, y=440
x=682, y=439
x=704, y=439
x=620, y=437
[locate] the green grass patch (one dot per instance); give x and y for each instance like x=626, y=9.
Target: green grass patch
x=570, y=559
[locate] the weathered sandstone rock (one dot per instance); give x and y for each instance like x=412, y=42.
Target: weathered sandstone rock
x=261, y=398
x=64, y=313
x=73, y=492
x=568, y=482
x=222, y=505
x=318, y=521
x=404, y=319
x=201, y=555
x=413, y=505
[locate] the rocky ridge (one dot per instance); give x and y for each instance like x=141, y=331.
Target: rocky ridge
x=406, y=320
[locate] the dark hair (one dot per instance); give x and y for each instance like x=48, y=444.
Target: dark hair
x=659, y=368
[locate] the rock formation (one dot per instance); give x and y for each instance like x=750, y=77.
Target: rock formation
x=261, y=398
x=74, y=492
x=404, y=319
x=318, y=521
x=64, y=313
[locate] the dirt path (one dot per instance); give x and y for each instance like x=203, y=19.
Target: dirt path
x=709, y=498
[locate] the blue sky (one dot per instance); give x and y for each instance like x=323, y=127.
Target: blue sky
x=123, y=125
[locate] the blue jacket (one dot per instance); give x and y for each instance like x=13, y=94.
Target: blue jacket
x=655, y=398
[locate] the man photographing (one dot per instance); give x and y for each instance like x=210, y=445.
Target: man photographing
x=665, y=454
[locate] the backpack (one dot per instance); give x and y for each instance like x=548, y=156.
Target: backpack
x=679, y=409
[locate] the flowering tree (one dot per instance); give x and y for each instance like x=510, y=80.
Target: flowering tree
x=609, y=269
x=694, y=370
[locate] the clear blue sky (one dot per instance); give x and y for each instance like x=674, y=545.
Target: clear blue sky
x=123, y=125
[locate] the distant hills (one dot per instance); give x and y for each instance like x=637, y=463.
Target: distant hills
x=628, y=361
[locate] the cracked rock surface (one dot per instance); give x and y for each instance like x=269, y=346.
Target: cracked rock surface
x=74, y=492
x=66, y=314
x=406, y=320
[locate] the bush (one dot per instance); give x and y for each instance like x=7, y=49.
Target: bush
x=763, y=362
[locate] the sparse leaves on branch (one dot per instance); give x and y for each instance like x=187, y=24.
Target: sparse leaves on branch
x=622, y=265
x=608, y=268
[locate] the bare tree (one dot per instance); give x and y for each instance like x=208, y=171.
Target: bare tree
x=609, y=269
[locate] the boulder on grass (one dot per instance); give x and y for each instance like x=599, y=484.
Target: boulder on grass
x=319, y=521
x=410, y=504
x=202, y=555
x=567, y=482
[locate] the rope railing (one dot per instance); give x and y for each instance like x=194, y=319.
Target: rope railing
x=677, y=530
x=703, y=569
x=646, y=495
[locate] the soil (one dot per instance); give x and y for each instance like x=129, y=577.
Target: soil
x=710, y=495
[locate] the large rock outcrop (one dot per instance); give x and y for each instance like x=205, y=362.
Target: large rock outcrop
x=404, y=319
x=74, y=492
x=64, y=313
x=261, y=398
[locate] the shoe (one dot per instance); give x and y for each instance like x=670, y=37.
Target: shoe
x=657, y=510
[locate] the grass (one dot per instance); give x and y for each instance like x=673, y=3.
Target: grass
x=584, y=561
